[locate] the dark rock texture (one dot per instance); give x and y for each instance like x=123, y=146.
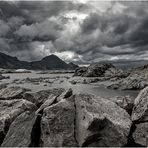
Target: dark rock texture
x=99, y=70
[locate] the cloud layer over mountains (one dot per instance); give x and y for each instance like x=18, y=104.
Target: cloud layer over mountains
x=78, y=31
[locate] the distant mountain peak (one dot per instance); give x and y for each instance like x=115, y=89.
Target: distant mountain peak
x=51, y=62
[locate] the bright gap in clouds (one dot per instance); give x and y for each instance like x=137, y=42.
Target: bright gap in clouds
x=67, y=56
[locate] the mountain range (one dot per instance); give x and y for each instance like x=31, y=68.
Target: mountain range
x=51, y=62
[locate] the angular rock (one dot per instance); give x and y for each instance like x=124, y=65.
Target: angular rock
x=9, y=110
x=100, y=122
x=12, y=93
x=57, y=125
x=126, y=103
x=140, y=135
x=20, y=133
x=80, y=70
x=115, y=72
x=140, y=109
x=65, y=94
x=97, y=69
x=51, y=99
x=40, y=97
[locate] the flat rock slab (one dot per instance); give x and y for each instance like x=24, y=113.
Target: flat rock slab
x=20, y=131
x=51, y=99
x=100, y=122
x=9, y=110
x=140, y=109
x=40, y=97
x=57, y=125
x=12, y=93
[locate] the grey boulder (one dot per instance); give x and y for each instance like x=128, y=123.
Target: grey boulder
x=57, y=125
x=9, y=110
x=100, y=122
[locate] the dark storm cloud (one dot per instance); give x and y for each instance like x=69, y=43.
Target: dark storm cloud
x=81, y=32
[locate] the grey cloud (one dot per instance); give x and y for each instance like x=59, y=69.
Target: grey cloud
x=118, y=32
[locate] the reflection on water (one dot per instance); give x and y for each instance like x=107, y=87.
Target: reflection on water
x=62, y=81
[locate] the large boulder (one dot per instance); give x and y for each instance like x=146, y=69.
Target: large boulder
x=80, y=70
x=9, y=110
x=100, y=122
x=12, y=92
x=57, y=125
x=22, y=131
x=100, y=70
x=97, y=69
x=140, y=109
x=115, y=72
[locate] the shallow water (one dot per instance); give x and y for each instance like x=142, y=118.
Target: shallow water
x=62, y=81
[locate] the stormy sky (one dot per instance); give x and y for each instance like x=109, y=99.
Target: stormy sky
x=78, y=31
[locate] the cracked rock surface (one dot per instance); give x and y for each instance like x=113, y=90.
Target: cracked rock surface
x=57, y=117
x=9, y=110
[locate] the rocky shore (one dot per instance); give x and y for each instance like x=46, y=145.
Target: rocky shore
x=58, y=117
x=135, y=79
